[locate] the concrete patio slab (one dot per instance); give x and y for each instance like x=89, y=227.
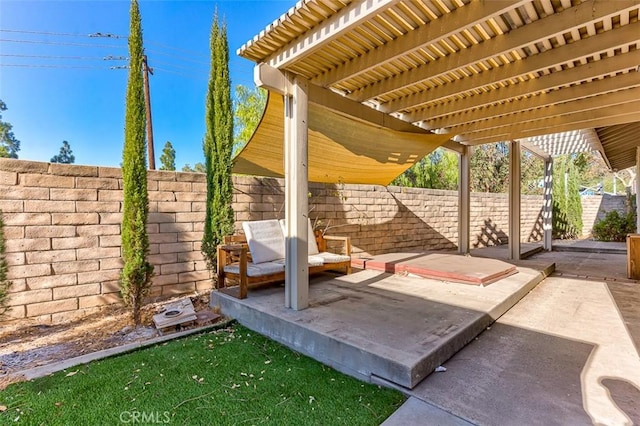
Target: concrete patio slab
x=416, y=412
x=567, y=353
x=375, y=325
x=440, y=265
x=601, y=266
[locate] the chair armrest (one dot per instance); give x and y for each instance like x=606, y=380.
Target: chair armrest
x=345, y=240
x=233, y=248
x=226, y=250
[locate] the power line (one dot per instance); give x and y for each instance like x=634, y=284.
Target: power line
x=88, y=58
x=172, y=65
x=164, y=46
x=59, y=43
x=62, y=34
x=177, y=57
x=54, y=66
x=180, y=74
x=104, y=35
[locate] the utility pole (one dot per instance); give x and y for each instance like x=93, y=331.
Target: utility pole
x=147, y=98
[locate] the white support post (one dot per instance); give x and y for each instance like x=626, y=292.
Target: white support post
x=296, y=199
x=638, y=190
x=464, y=199
x=547, y=209
x=514, y=200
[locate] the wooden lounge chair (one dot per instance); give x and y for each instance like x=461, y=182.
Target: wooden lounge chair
x=258, y=257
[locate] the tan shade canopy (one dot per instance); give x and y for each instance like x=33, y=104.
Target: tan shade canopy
x=341, y=149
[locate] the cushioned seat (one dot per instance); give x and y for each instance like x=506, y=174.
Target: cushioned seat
x=332, y=257
x=256, y=269
x=262, y=249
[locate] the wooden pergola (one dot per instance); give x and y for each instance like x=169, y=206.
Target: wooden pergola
x=550, y=76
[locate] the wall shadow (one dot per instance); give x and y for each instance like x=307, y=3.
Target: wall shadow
x=490, y=235
x=537, y=232
x=371, y=230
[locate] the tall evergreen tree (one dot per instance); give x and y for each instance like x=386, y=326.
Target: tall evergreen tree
x=135, y=279
x=218, y=144
x=567, y=207
x=168, y=157
x=65, y=156
x=9, y=145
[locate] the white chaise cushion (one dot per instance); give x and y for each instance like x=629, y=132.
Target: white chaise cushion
x=313, y=244
x=257, y=269
x=332, y=257
x=265, y=239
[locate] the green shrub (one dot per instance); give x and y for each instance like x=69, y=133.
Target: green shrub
x=614, y=227
x=4, y=283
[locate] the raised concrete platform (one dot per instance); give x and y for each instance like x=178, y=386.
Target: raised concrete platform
x=439, y=265
x=381, y=327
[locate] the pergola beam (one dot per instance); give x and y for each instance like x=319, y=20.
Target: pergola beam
x=535, y=150
x=434, y=31
x=543, y=29
x=338, y=24
x=569, y=53
x=609, y=66
x=272, y=79
x=600, y=117
x=567, y=94
x=555, y=110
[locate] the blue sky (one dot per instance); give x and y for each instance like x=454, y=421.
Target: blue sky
x=77, y=97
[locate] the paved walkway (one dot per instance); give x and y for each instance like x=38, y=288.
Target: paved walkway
x=567, y=353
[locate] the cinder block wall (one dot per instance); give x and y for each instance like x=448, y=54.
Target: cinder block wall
x=63, y=228
x=382, y=219
x=63, y=236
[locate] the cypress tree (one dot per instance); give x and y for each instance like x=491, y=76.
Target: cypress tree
x=567, y=208
x=135, y=279
x=218, y=145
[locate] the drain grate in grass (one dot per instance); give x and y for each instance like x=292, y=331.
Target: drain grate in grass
x=232, y=376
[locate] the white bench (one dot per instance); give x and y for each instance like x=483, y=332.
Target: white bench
x=258, y=257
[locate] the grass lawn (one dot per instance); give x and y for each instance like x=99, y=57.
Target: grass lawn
x=232, y=376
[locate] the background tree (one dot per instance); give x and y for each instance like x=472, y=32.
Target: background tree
x=567, y=207
x=490, y=168
x=9, y=145
x=4, y=283
x=248, y=109
x=65, y=156
x=438, y=170
x=197, y=168
x=218, y=144
x=135, y=279
x=168, y=157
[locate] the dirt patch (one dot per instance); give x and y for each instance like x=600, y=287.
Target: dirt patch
x=26, y=344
